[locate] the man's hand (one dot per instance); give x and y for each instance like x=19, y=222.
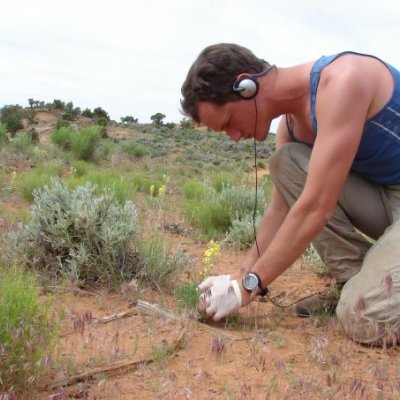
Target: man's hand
x=220, y=296
x=213, y=280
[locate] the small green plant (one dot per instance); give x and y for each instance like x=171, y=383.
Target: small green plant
x=193, y=190
x=62, y=136
x=187, y=296
x=37, y=179
x=215, y=212
x=122, y=185
x=27, y=330
x=79, y=167
x=62, y=123
x=312, y=258
x=22, y=142
x=160, y=266
x=241, y=234
x=135, y=150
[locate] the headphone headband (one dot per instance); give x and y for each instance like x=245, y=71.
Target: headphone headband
x=246, y=85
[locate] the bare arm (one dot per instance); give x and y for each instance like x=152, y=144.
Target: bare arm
x=276, y=212
x=343, y=101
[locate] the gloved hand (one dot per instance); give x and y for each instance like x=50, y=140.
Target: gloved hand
x=212, y=280
x=221, y=298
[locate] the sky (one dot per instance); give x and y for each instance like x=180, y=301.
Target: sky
x=131, y=57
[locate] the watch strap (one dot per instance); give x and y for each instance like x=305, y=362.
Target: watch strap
x=263, y=290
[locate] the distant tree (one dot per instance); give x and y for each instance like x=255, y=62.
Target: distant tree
x=129, y=120
x=186, y=123
x=58, y=104
x=101, y=116
x=33, y=103
x=69, y=107
x=170, y=125
x=87, y=112
x=12, y=116
x=158, y=118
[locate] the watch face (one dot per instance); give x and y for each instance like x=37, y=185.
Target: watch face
x=250, y=281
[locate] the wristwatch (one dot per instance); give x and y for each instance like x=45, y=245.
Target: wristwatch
x=251, y=281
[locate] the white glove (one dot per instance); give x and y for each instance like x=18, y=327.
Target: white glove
x=213, y=280
x=219, y=300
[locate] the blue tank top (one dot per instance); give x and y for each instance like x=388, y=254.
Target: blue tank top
x=378, y=156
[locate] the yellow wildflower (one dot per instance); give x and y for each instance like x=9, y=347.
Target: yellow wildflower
x=213, y=249
x=161, y=191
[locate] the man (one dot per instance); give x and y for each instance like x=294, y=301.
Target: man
x=336, y=173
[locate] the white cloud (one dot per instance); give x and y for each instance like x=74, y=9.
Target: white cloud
x=131, y=57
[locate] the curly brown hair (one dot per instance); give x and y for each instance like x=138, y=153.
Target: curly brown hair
x=212, y=75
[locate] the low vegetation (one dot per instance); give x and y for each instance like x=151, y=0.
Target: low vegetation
x=27, y=330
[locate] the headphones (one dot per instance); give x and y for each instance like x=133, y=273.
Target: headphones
x=246, y=85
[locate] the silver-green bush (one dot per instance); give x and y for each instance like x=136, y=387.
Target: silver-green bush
x=241, y=234
x=78, y=235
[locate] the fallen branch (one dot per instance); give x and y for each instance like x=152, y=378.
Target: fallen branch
x=114, y=317
x=155, y=310
x=121, y=367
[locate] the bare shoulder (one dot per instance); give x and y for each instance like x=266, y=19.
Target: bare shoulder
x=360, y=78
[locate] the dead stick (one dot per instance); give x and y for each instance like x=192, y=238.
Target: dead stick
x=114, y=317
x=155, y=310
x=111, y=370
x=121, y=367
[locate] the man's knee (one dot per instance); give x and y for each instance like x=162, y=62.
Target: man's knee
x=288, y=158
x=366, y=321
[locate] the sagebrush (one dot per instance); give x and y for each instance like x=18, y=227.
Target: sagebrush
x=78, y=235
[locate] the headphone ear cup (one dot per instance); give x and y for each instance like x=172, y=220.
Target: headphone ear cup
x=245, y=86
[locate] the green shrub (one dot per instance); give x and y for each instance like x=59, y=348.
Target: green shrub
x=79, y=167
x=34, y=135
x=62, y=123
x=221, y=181
x=37, y=179
x=74, y=234
x=135, y=150
x=22, y=142
x=241, y=234
x=122, y=185
x=240, y=201
x=62, y=136
x=105, y=148
x=84, y=142
x=215, y=212
x=14, y=123
x=27, y=331
x=261, y=164
x=160, y=266
x=209, y=216
x=3, y=133
x=193, y=190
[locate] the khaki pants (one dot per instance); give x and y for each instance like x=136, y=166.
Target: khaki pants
x=369, y=305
